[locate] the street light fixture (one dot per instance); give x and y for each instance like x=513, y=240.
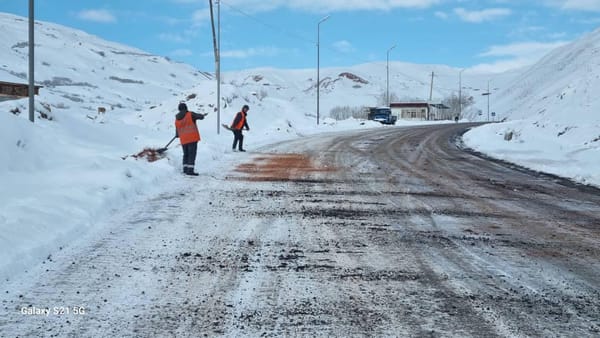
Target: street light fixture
x=319, y=63
x=388, y=75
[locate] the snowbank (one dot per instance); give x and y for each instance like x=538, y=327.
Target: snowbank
x=554, y=115
x=524, y=144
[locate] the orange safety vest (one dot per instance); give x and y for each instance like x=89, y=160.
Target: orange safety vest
x=240, y=124
x=187, y=130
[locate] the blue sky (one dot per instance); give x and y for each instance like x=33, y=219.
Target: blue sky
x=491, y=35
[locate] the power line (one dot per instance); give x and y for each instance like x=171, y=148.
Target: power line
x=347, y=56
x=295, y=36
x=268, y=25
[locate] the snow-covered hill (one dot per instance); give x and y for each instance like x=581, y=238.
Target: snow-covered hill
x=553, y=113
x=79, y=67
x=282, y=98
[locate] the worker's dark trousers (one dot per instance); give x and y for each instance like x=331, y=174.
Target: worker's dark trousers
x=189, y=156
x=238, y=137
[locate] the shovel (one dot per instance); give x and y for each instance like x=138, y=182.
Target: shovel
x=162, y=150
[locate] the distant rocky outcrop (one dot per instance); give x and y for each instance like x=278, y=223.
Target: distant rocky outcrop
x=354, y=78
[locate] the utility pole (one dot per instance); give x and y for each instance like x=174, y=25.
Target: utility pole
x=217, y=64
x=460, y=93
x=431, y=88
x=319, y=64
x=219, y=68
x=488, y=100
x=31, y=63
x=388, y=75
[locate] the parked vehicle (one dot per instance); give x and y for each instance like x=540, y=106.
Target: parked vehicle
x=382, y=115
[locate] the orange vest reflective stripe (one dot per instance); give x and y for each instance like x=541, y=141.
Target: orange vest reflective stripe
x=187, y=130
x=240, y=124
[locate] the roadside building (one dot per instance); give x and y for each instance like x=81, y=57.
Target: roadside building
x=419, y=111
x=12, y=91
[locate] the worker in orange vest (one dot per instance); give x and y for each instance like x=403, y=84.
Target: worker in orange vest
x=189, y=136
x=240, y=122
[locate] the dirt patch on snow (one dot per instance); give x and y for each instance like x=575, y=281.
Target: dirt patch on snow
x=297, y=168
x=150, y=155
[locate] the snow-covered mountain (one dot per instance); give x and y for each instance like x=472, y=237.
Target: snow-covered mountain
x=553, y=113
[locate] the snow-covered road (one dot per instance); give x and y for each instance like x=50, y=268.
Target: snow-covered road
x=387, y=232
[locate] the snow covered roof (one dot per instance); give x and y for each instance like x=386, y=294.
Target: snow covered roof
x=16, y=89
x=420, y=104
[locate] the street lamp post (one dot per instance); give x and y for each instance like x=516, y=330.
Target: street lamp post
x=488, y=93
x=488, y=97
x=31, y=63
x=460, y=93
x=218, y=67
x=319, y=63
x=388, y=75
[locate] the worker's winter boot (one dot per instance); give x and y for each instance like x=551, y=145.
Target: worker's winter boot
x=190, y=171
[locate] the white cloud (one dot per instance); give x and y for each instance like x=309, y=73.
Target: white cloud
x=249, y=52
x=344, y=46
x=535, y=49
x=200, y=16
x=585, y=5
x=181, y=53
x=176, y=38
x=516, y=55
x=482, y=15
x=97, y=15
x=581, y=5
x=558, y=35
x=500, y=66
x=184, y=37
x=526, y=31
x=441, y=15
x=588, y=21
x=329, y=5
x=169, y=20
